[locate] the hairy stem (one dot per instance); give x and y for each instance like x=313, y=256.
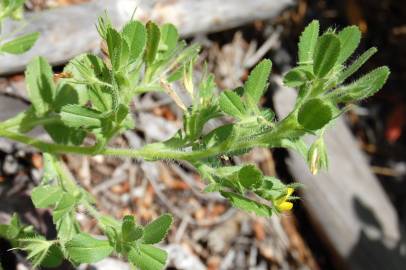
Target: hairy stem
x=287, y=128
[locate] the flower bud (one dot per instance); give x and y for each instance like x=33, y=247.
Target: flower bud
x=317, y=156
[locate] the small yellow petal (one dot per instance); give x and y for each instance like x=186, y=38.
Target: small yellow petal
x=285, y=206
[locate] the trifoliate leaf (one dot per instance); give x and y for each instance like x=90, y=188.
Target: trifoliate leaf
x=364, y=87
x=153, y=37
x=326, y=54
x=40, y=85
x=307, y=42
x=156, y=231
x=84, y=248
x=20, y=44
x=135, y=34
x=257, y=81
x=45, y=196
x=314, y=114
x=357, y=64
x=148, y=257
x=247, y=204
x=231, y=104
x=249, y=176
x=349, y=40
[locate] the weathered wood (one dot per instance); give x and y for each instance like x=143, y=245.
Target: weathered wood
x=347, y=203
x=69, y=31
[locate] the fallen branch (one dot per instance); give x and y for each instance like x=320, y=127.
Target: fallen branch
x=69, y=31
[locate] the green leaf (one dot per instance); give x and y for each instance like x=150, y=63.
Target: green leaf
x=83, y=248
x=250, y=177
x=135, y=34
x=156, y=231
x=326, y=54
x=231, y=104
x=76, y=116
x=148, y=257
x=119, y=50
x=257, y=81
x=221, y=135
x=349, y=40
x=121, y=55
x=45, y=196
x=307, y=42
x=67, y=227
x=65, y=94
x=65, y=135
x=357, y=64
x=11, y=8
x=15, y=227
x=314, y=114
x=64, y=207
x=20, y=44
x=195, y=122
x=296, y=77
x=122, y=113
x=54, y=257
x=364, y=87
x=40, y=85
x=113, y=40
x=93, y=75
x=50, y=173
x=129, y=230
x=247, y=204
x=169, y=39
x=153, y=37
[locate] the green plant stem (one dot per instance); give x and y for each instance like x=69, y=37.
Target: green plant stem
x=45, y=146
x=287, y=128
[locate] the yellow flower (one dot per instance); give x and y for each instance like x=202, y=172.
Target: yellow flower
x=282, y=204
